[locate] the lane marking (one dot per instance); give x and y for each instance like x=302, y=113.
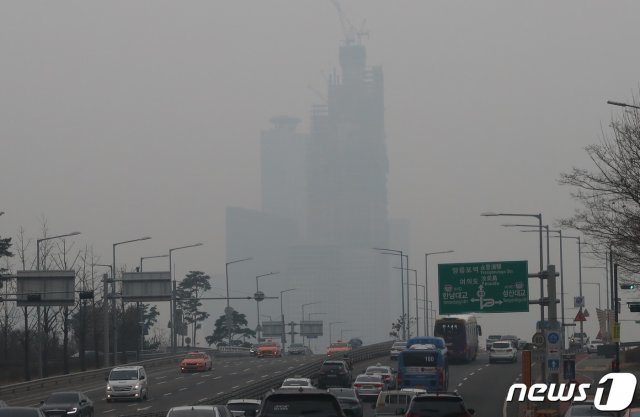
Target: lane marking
x=217, y=377
x=250, y=381
x=479, y=369
x=144, y=408
x=464, y=379
x=245, y=370
x=202, y=399
x=264, y=376
x=160, y=383
x=167, y=394
x=108, y=411
x=237, y=386
x=200, y=383
x=460, y=384
x=220, y=393
x=182, y=389
x=180, y=377
x=471, y=374
x=158, y=377
x=233, y=373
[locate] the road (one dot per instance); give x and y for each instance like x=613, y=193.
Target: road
x=483, y=386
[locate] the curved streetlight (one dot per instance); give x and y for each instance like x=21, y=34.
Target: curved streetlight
x=140, y=317
x=416, y=285
x=426, y=283
x=259, y=297
x=284, y=335
x=620, y=104
x=385, y=251
x=40, y=341
x=151, y=257
x=174, y=333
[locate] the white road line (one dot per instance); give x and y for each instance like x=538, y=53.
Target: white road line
x=108, y=411
x=203, y=399
x=182, y=389
x=180, y=377
x=471, y=374
x=132, y=405
x=159, y=377
x=160, y=383
x=200, y=383
x=264, y=376
x=464, y=379
x=237, y=386
x=249, y=381
x=479, y=369
x=245, y=370
x=233, y=373
x=460, y=384
x=220, y=393
x=217, y=377
x=168, y=393
x=144, y=408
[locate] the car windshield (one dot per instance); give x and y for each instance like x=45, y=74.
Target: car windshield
x=343, y=392
x=301, y=405
x=295, y=383
x=333, y=364
x=62, y=397
x=188, y=412
x=368, y=378
x=348, y=401
x=377, y=370
x=494, y=337
x=195, y=356
x=501, y=345
x=401, y=345
x=339, y=345
x=242, y=407
x=432, y=407
x=123, y=375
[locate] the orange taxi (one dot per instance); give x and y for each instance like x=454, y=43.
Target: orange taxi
x=338, y=349
x=269, y=349
x=196, y=361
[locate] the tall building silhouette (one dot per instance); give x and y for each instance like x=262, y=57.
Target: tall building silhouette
x=328, y=189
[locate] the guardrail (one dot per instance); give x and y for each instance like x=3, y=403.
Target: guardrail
x=258, y=389
x=64, y=380
x=231, y=351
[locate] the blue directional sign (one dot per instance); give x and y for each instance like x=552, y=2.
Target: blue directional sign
x=553, y=338
x=569, y=369
x=553, y=364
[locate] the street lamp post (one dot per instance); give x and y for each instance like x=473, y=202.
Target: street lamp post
x=619, y=104
x=40, y=351
x=426, y=282
x=416, y=285
x=330, y=325
x=580, y=243
x=105, y=313
x=398, y=252
x=258, y=328
x=228, y=311
x=284, y=334
x=302, y=319
x=113, y=301
x=172, y=307
x=140, y=317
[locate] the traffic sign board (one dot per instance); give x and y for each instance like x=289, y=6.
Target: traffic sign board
x=580, y=316
x=553, y=337
x=538, y=339
x=553, y=364
x=616, y=332
x=578, y=301
x=487, y=287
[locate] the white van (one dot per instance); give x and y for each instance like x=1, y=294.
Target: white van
x=128, y=382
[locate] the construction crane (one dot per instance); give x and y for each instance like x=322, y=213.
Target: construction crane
x=352, y=35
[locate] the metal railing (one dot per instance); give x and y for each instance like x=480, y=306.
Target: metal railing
x=260, y=388
x=86, y=376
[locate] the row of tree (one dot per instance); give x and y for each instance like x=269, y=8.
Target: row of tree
x=71, y=337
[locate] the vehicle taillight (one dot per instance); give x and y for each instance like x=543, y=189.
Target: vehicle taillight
x=356, y=385
x=399, y=379
x=378, y=386
x=509, y=350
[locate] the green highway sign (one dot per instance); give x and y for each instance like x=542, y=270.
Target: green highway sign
x=483, y=287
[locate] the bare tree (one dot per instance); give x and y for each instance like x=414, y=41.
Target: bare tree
x=610, y=193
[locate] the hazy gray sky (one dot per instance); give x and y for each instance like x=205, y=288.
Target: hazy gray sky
x=122, y=119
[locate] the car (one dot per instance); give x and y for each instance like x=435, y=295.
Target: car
x=592, y=347
x=71, y=403
x=393, y=403
x=243, y=407
x=587, y=408
x=3, y=404
x=21, y=412
x=200, y=411
x=335, y=373
x=448, y=404
x=302, y=383
x=386, y=372
x=503, y=350
x=396, y=348
x=127, y=382
x=298, y=349
x=349, y=401
x=288, y=403
x=578, y=339
x=368, y=386
x=522, y=344
x=271, y=349
x=513, y=339
x=196, y=361
x=338, y=349
x=492, y=338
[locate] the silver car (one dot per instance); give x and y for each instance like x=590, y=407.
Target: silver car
x=503, y=350
x=127, y=382
x=396, y=348
x=368, y=385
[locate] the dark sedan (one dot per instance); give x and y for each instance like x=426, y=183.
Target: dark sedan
x=20, y=412
x=67, y=404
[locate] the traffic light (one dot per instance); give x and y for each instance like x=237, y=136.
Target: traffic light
x=634, y=307
x=627, y=286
